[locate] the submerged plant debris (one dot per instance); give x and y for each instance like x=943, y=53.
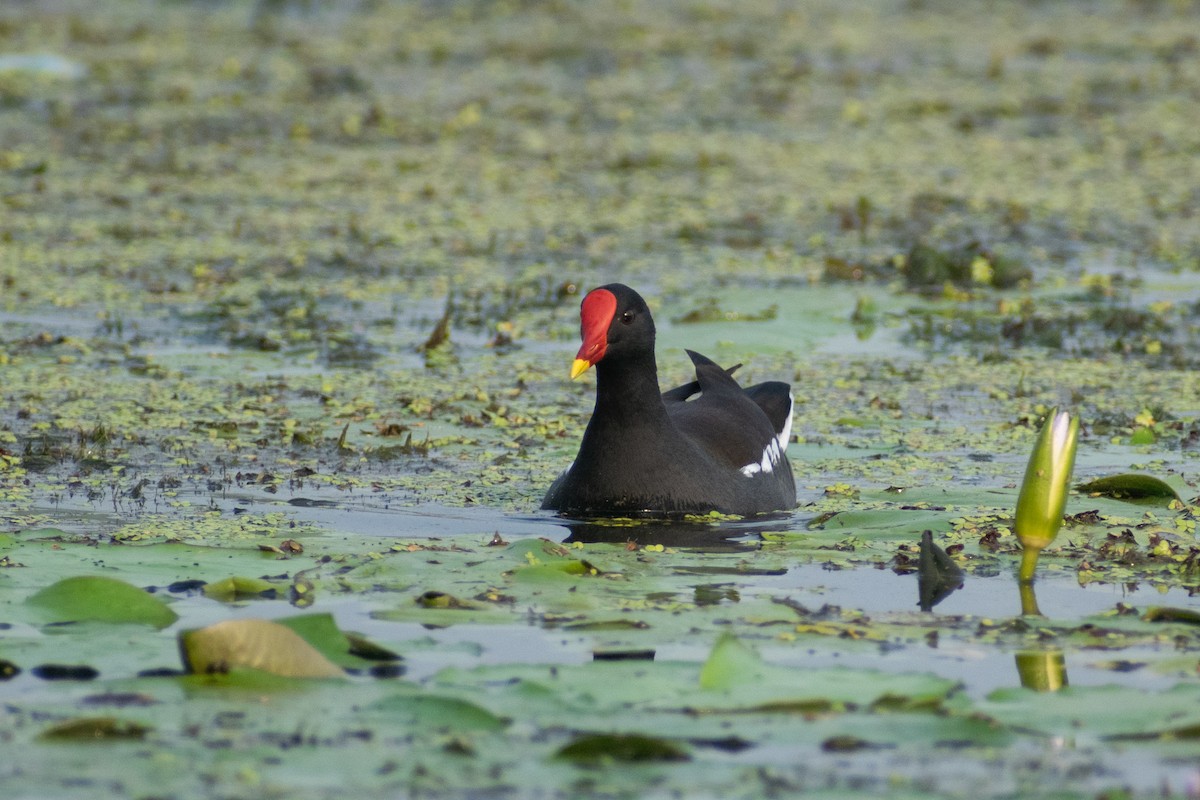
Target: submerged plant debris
x=288, y=296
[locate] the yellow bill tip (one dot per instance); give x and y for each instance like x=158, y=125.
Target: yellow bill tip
x=580, y=366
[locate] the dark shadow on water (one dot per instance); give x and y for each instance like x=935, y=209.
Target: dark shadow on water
x=717, y=536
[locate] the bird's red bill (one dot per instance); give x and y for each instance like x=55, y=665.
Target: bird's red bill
x=595, y=315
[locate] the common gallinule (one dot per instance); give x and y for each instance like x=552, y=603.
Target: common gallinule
x=709, y=445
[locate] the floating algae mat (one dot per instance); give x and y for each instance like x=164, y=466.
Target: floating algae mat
x=288, y=297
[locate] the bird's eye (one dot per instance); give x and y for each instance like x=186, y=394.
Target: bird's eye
x=627, y=317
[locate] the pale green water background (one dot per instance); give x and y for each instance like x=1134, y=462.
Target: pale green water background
x=228, y=229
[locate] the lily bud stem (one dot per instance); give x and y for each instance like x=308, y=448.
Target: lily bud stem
x=1029, y=559
x=1029, y=604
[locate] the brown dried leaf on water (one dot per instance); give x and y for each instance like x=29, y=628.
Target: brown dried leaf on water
x=436, y=599
x=119, y=699
x=253, y=644
x=391, y=428
x=849, y=744
x=440, y=334
x=631, y=747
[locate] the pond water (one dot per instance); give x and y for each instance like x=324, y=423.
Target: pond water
x=308, y=274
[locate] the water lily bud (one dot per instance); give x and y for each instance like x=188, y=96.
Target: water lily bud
x=1044, y=490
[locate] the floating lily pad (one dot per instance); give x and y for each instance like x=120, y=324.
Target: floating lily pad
x=1166, y=614
x=344, y=649
x=102, y=599
x=729, y=663
x=237, y=587
x=433, y=712
x=253, y=644
x=1112, y=711
x=1133, y=488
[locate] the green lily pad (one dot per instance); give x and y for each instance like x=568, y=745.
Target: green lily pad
x=1132, y=488
x=102, y=599
x=729, y=663
x=1168, y=614
x=734, y=680
x=555, y=572
x=1107, y=711
x=342, y=648
x=439, y=712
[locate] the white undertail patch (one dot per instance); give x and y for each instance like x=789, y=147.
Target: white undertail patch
x=773, y=453
x=770, y=458
x=785, y=435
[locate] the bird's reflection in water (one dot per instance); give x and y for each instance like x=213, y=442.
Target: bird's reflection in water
x=726, y=536
x=937, y=575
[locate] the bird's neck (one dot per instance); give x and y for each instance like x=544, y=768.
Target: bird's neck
x=628, y=389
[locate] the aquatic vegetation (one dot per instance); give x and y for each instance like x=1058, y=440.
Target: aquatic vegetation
x=285, y=291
